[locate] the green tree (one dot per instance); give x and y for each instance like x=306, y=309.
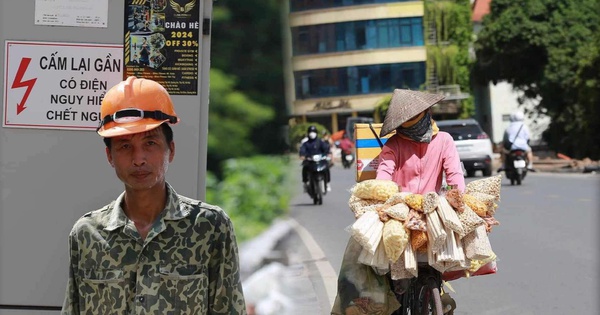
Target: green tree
x=548, y=49
x=232, y=115
x=247, y=43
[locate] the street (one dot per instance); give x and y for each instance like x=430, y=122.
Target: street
x=546, y=243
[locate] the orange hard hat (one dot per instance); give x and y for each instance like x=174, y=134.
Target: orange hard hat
x=134, y=106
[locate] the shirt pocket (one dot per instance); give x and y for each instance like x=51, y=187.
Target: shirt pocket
x=184, y=288
x=103, y=291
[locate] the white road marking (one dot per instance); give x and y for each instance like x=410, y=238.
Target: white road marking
x=318, y=256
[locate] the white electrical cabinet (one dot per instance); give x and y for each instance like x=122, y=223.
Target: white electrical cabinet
x=53, y=169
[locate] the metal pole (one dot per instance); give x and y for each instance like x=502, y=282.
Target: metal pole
x=204, y=88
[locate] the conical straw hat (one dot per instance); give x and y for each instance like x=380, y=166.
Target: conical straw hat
x=404, y=105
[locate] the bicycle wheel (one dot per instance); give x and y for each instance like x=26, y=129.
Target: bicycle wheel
x=417, y=300
x=422, y=297
x=423, y=300
x=434, y=300
x=426, y=298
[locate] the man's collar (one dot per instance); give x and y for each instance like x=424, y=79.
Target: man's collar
x=173, y=210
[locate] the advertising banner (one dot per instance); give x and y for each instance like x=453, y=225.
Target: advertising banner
x=58, y=85
x=161, y=43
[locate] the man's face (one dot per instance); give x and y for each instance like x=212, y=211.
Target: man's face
x=141, y=160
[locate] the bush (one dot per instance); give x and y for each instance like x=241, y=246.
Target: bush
x=254, y=192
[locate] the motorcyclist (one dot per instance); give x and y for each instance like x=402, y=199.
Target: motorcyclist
x=346, y=146
x=516, y=137
x=314, y=145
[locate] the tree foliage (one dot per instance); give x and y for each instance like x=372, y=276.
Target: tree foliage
x=232, y=116
x=247, y=44
x=548, y=49
x=449, y=55
x=253, y=192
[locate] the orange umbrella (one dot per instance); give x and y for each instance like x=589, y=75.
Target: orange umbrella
x=337, y=135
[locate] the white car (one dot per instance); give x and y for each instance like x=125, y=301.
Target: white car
x=472, y=143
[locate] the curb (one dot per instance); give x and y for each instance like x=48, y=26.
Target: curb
x=255, y=252
x=278, y=281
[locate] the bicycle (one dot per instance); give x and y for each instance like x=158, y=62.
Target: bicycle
x=422, y=296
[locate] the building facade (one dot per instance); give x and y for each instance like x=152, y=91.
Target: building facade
x=345, y=56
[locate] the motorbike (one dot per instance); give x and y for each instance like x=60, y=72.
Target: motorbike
x=516, y=166
x=347, y=159
x=317, y=165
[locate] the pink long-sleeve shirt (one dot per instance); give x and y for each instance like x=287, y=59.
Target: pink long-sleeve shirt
x=418, y=167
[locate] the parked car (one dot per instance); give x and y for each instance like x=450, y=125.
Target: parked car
x=472, y=143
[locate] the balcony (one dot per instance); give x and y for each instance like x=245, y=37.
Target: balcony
x=452, y=92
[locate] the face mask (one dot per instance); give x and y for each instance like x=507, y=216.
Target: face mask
x=421, y=131
x=312, y=135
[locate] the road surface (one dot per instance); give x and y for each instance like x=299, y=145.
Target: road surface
x=547, y=246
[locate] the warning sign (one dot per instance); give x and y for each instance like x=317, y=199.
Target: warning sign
x=58, y=85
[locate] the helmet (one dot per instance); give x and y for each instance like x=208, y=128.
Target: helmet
x=312, y=128
x=517, y=116
x=134, y=106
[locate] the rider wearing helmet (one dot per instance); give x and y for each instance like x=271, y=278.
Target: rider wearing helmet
x=310, y=147
x=516, y=137
x=139, y=234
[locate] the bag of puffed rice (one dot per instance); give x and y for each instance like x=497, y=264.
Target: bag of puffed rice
x=395, y=239
x=360, y=206
x=378, y=189
x=488, y=200
x=398, y=269
x=430, y=202
x=469, y=220
x=397, y=198
x=455, y=199
x=398, y=211
x=477, y=244
x=476, y=205
x=414, y=201
x=417, y=239
x=489, y=185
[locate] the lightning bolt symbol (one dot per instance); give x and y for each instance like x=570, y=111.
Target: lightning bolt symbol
x=19, y=83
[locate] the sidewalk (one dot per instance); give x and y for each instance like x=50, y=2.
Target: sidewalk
x=280, y=275
x=557, y=165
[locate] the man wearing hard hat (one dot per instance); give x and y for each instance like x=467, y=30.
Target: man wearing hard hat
x=151, y=251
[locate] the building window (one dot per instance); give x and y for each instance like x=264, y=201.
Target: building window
x=359, y=80
x=302, y=5
x=357, y=35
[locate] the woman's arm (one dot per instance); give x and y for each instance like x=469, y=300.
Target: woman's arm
x=387, y=162
x=452, y=166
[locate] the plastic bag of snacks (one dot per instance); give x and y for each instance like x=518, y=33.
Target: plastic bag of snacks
x=378, y=189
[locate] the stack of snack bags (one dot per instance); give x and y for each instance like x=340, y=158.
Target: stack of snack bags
x=450, y=230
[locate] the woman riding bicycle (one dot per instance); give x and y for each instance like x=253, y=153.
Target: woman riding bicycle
x=419, y=155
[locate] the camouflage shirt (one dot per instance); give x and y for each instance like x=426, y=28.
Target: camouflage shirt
x=188, y=263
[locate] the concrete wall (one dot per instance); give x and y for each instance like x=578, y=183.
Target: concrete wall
x=504, y=101
x=49, y=178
